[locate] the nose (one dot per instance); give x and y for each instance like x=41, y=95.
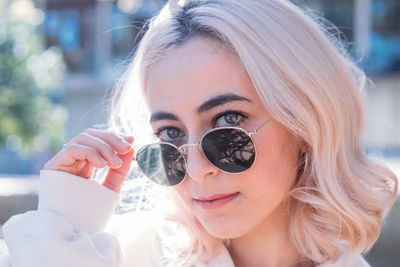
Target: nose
x=198, y=167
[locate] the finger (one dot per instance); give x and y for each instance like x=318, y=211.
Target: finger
x=117, y=142
x=74, y=154
x=102, y=147
x=116, y=177
x=128, y=138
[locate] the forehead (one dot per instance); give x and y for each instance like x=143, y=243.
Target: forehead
x=192, y=73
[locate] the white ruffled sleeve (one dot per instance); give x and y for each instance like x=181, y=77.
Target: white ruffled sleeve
x=68, y=227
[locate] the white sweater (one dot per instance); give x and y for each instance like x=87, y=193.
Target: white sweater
x=74, y=227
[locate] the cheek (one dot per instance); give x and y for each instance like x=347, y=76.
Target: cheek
x=276, y=166
x=182, y=192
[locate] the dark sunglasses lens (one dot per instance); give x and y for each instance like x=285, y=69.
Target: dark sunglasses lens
x=230, y=150
x=162, y=163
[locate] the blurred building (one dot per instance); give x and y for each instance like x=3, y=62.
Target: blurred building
x=372, y=30
x=97, y=38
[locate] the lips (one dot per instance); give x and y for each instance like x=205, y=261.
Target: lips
x=215, y=197
x=215, y=201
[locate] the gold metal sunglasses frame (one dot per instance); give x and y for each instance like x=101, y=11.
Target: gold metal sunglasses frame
x=198, y=144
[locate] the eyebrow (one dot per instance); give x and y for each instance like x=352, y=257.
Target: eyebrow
x=220, y=100
x=209, y=104
x=160, y=115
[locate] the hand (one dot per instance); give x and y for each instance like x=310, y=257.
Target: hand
x=95, y=149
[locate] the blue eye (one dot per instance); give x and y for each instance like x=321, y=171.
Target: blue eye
x=169, y=134
x=229, y=119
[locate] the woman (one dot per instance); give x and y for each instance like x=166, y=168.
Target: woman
x=260, y=164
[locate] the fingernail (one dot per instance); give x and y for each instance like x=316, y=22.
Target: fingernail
x=117, y=159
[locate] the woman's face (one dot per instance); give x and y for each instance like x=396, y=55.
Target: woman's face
x=195, y=88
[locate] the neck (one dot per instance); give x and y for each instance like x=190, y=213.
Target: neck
x=267, y=245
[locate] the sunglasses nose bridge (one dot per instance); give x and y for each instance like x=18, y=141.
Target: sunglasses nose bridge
x=184, y=148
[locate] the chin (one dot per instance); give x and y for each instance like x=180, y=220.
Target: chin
x=225, y=230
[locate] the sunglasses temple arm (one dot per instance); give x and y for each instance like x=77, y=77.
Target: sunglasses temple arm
x=262, y=125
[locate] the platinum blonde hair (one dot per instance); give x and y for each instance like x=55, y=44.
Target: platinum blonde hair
x=308, y=83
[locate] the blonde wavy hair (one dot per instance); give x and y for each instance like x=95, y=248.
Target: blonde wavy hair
x=308, y=82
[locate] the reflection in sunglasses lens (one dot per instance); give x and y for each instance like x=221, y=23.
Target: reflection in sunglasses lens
x=162, y=163
x=230, y=150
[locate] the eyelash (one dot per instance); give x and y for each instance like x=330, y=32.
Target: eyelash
x=158, y=131
x=219, y=115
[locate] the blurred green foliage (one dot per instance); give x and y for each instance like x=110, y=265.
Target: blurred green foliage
x=29, y=78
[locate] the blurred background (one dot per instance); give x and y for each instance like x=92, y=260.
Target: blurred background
x=58, y=58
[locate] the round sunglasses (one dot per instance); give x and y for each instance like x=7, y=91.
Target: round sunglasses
x=229, y=149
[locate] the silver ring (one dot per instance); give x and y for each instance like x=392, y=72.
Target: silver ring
x=65, y=146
